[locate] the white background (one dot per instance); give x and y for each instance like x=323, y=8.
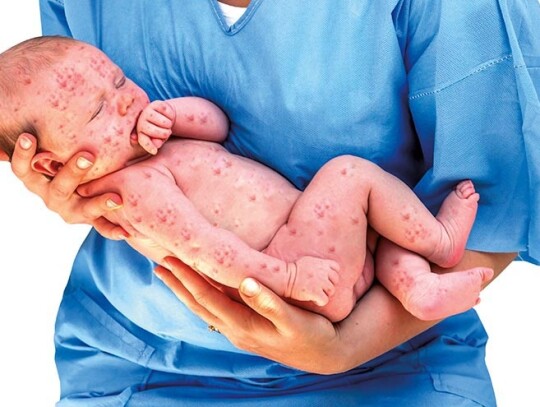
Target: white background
x=37, y=250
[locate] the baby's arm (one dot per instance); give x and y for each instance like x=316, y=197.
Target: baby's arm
x=165, y=216
x=189, y=117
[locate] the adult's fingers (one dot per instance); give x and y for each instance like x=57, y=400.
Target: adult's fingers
x=110, y=230
x=66, y=181
x=95, y=207
x=268, y=304
x=25, y=149
x=175, y=277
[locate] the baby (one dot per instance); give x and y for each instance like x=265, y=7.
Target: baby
x=226, y=216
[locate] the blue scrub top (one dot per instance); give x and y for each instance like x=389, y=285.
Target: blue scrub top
x=432, y=91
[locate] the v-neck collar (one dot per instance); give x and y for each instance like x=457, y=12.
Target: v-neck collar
x=242, y=21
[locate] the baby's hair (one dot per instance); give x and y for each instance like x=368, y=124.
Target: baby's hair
x=20, y=63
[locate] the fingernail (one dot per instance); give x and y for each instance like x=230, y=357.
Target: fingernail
x=158, y=274
x=25, y=143
x=112, y=205
x=83, y=163
x=250, y=287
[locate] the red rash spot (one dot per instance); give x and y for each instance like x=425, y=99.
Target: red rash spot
x=185, y=234
x=190, y=117
x=162, y=218
x=344, y=171
x=203, y=118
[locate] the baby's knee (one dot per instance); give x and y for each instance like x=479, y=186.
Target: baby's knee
x=352, y=166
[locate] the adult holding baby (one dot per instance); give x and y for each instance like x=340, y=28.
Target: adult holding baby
x=377, y=80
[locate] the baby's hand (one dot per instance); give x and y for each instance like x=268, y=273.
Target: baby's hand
x=154, y=125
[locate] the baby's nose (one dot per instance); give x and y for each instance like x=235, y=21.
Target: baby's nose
x=124, y=102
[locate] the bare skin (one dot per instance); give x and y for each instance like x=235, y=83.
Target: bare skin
x=244, y=219
x=263, y=323
x=193, y=221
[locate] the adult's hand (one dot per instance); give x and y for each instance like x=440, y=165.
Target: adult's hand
x=59, y=194
x=267, y=325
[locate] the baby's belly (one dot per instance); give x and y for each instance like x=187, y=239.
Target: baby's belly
x=236, y=193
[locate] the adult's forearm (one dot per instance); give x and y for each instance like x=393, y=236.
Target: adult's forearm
x=379, y=322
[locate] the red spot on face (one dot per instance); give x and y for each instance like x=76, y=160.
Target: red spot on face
x=186, y=235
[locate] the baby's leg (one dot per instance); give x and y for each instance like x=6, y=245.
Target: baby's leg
x=329, y=221
x=396, y=213
x=427, y=295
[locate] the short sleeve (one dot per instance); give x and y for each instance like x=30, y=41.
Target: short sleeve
x=53, y=18
x=474, y=81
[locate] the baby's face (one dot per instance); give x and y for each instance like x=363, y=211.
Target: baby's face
x=86, y=103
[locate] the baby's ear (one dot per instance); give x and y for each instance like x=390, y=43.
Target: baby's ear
x=46, y=163
x=4, y=156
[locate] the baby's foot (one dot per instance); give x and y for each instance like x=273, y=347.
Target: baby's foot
x=436, y=296
x=312, y=279
x=457, y=215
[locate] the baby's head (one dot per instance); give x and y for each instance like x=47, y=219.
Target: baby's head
x=72, y=98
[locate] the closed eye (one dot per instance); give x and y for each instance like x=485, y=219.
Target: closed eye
x=98, y=110
x=121, y=82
